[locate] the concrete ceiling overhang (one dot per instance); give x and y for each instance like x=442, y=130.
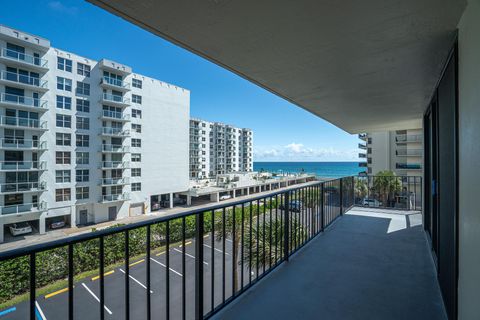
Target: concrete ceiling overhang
x=362, y=65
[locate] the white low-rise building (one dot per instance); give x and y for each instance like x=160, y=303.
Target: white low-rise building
x=84, y=141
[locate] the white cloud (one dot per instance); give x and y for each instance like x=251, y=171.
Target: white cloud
x=299, y=152
x=61, y=7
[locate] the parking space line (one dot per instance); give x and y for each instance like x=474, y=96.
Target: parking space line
x=55, y=293
x=186, y=243
x=105, y=274
x=206, y=245
x=160, y=253
x=6, y=311
x=135, y=263
x=95, y=297
x=131, y=277
x=158, y=262
x=39, y=311
x=189, y=255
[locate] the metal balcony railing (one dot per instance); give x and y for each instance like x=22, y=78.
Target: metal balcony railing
x=22, y=144
x=402, y=138
x=115, y=148
x=115, y=115
x=23, y=79
x=115, y=131
x=115, y=197
x=115, y=164
x=30, y=186
x=409, y=152
x=23, y=123
x=22, y=165
x=115, y=98
x=24, y=58
x=23, y=208
x=114, y=181
x=24, y=101
x=115, y=82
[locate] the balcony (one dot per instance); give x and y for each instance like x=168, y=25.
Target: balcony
x=362, y=164
x=409, y=166
x=114, y=132
x=362, y=155
x=113, y=115
x=22, y=144
x=23, y=208
x=408, y=138
x=22, y=60
x=409, y=152
x=23, y=165
x=23, y=187
x=23, y=81
x=114, y=148
x=114, y=84
x=115, y=165
x=116, y=100
x=115, y=197
x=21, y=102
x=362, y=146
x=363, y=136
x=114, y=181
x=23, y=123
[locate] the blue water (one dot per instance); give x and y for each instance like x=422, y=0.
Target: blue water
x=321, y=169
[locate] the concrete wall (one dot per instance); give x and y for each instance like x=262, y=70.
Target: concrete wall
x=469, y=166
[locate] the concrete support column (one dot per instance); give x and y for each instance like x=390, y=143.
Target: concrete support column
x=248, y=191
x=171, y=200
x=73, y=217
x=215, y=197
x=189, y=200
x=234, y=193
x=1, y=233
x=41, y=225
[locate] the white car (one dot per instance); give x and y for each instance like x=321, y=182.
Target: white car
x=20, y=228
x=371, y=203
x=225, y=197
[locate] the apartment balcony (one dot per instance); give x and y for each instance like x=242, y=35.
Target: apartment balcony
x=23, y=81
x=363, y=136
x=362, y=146
x=362, y=155
x=24, y=103
x=409, y=138
x=408, y=166
x=113, y=115
x=106, y=165
x=25, y=208
x=114, y=84
x=362, y=164
x=22, y=144
x=114, y=132
x=23, y=165
x=409, y=152
x=115, y=100
x=23, y=123
x=114, y=181
x=23, y=187
x=115, y=197
x=114, y=148
x=22, y=60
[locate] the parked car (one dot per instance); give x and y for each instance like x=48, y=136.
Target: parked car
x=20, y=228
x=294, y=205
x=57, y=224
x=176, y=202
x=225, y=197
x=371, y=203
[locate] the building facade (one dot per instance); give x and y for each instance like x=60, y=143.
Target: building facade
x=217, y=148
x=84, y=141
x=398, y=151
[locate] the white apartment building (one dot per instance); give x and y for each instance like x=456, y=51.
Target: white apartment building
x=217, y=148
x=398, y=151
x=84, y=141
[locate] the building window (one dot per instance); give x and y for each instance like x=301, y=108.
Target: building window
x=64, y=84
x=136, y=99
x=136, y=172
x=136, y=186
x=82, y=193
x=83, y=88
x=62, y=157
x=83, y=105
x=63, y=195
x=82, y=175
x=63, y=139
x=83, y=158
x=83, y=123
x=136, y=113
x=64, y=121
x=83, y=69
x=64, y=102
x=136, y=128
x=64, y=64
x=83, y=140
x=136, y=83
x=136, y=157
x=136, y=143
x=62, y=176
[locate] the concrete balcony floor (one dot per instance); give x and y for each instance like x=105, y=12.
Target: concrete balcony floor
x=370, y=264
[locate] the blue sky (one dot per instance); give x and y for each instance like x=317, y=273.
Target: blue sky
x=282, y=131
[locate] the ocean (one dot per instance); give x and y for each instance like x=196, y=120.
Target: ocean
x=321, y=169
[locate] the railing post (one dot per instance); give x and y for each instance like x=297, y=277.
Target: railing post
x=199, y=266
x=341, y=196
x=322, y=206
x=286, y=240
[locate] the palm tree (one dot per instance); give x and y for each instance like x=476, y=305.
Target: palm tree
x=386, y=184
x=361, y=188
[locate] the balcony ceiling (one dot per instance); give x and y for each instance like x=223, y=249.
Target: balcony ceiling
x=361, y=65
